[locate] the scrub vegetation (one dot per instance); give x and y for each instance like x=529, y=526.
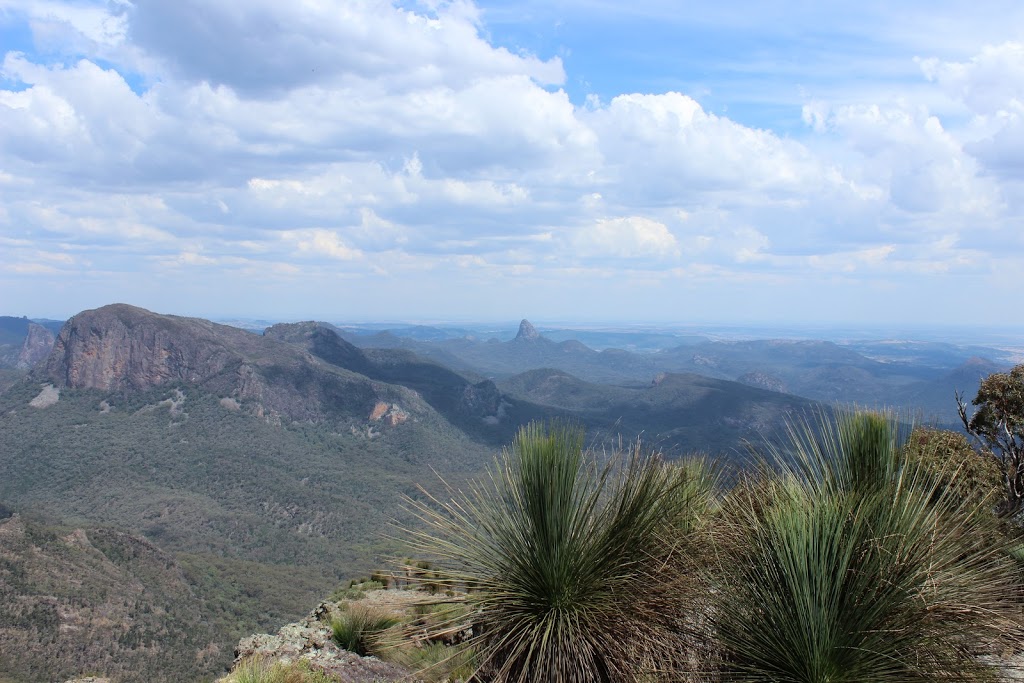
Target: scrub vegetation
x=854, y=550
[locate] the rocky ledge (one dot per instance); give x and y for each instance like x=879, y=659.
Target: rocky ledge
x=310, y=641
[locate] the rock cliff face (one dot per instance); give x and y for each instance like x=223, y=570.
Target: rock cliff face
x=37, y=346
x=23, y=343
x=121, y=347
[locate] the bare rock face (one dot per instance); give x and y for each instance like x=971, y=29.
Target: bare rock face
x=36, y=347
x=123, y=347
x=527, y=332
x=311, y=640
x=391, y=413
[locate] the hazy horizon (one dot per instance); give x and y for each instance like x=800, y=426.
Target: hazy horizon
x=505, y=328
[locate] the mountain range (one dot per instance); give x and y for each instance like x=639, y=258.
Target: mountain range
x=229, y=477
x=918, y=378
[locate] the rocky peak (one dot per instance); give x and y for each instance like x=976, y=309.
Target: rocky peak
x=527, y=332
x=123, y=347
x=36, y=347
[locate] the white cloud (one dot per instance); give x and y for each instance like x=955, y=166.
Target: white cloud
x=991, y=85
x=909, y=151
x=273, y=46
x=750, y=244
x=987, y=82
x=686, y=152
x=378, y=232
x=191, y=258
x=62, y=26
x=319, y=242
x=31, y=268
x=405, y=142
x=849, y=261
x=629, y=237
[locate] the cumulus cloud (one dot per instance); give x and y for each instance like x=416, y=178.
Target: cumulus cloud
x=318, y=242
x=906, y=149
x=688, y=151
x=988, y=82
x=269, y=46
x=991, y=85
x=629, y=237
x=403, y=140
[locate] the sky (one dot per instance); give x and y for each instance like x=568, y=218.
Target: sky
x=734, y=162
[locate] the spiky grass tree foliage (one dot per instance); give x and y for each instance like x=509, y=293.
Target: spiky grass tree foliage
x=565, y=557
x=849, y=563
x=359, y=629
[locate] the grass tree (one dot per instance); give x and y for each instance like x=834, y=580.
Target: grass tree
x=573, y=562
x=846, y=561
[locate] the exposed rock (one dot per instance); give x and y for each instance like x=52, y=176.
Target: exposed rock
x=391, y=413
x=37, y=346
x=324, y=342
x=527, y=332
x=46, y=398
x=230, y=404
x=378, y=411
x=174, y=403
x=311, y=640
x=123, y=347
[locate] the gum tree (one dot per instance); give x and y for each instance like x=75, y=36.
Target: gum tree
x=998, y=426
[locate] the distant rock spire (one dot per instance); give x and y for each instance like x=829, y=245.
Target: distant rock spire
x=35, y=348
x=527, y=332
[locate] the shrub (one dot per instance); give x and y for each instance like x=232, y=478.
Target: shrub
x=850, y=563
x=568, y=559
x=950, y=456
x=436, y=662
x=382, y=578
x=358, y=629
x=356, y=589
x=262, y=670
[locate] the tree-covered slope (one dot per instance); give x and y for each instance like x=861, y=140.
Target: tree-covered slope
x=75, y=600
